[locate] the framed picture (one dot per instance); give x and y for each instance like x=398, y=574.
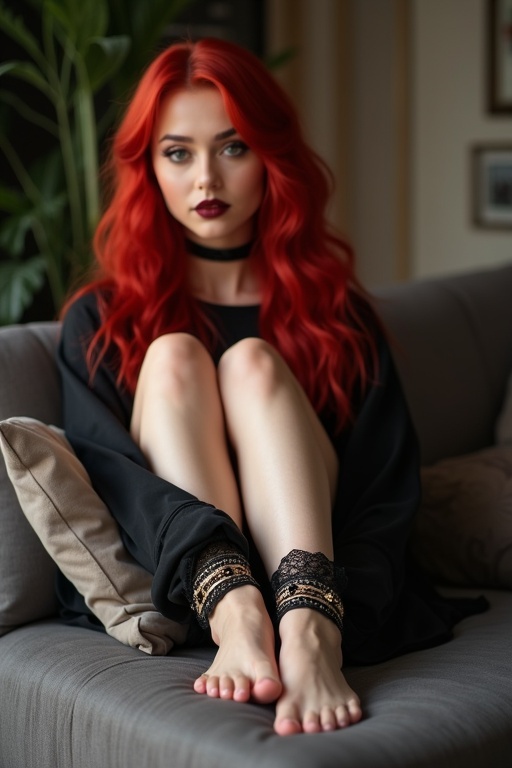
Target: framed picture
x=492, y=186
x=500, y=56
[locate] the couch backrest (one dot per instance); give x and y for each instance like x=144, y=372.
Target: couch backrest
x=452, y=341
x=29, y=382
x=453, y=348
x=29, y=386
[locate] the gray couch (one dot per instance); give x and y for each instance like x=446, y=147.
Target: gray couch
x=72, y=698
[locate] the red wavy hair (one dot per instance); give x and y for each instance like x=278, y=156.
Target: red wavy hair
x=313, y=310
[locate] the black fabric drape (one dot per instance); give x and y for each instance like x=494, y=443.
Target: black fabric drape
x=389, y=606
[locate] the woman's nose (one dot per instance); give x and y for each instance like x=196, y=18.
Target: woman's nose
x=208, y=176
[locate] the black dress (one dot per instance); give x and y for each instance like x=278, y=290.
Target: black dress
x=389, y=607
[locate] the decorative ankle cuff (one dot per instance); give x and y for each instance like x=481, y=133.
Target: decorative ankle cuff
x=219, y=569
x=309, y=580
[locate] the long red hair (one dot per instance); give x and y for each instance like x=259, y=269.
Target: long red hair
x=313, y=310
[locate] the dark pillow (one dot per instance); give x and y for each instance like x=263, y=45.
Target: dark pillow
x=463, y=532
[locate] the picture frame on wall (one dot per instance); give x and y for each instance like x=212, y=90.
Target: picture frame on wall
x=492, y=186
x=500, y=56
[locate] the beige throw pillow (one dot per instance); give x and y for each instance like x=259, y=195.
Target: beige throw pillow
x=81, y=535
x=464, y=525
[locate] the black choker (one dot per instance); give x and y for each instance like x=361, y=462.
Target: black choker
x=219, y=254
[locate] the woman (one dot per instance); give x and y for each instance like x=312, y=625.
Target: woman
x=228, y=388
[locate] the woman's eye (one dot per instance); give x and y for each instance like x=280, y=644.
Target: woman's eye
x=176, y=155
x=235, y=149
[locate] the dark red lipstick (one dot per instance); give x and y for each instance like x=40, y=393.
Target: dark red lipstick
x=211, y=209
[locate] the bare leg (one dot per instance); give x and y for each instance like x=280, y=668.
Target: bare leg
x=288, y=473
x=178, y=422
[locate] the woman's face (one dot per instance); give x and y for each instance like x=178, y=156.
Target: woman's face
x=212, y=183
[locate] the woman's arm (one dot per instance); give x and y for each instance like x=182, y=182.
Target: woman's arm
x=378, y=495
x=162, y=526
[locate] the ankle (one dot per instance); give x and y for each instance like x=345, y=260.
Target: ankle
x=307, y=634
x=310, y=624
x=242, y=606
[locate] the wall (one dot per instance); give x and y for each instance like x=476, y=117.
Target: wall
x=316, y=78
x=347, y=78
x=392, y=94
x=448, y=117
x=379, y=140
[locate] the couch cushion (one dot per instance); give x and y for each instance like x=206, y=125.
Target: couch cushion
x=88, y=702
x=81, y=535
x=29, y=386
x=464, y=525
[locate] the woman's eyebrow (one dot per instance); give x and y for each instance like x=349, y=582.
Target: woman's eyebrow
x=225, y=134
x=188, y=139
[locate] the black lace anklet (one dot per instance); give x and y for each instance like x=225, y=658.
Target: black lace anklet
x=219, y=569
x=309, y=580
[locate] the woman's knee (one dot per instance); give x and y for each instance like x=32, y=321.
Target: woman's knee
x=251, y=367
x=173, y=361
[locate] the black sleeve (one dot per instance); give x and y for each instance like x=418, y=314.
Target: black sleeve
x=377, y=498
x=162, y=526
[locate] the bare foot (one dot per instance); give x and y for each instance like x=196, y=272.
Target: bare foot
x=245, y=666
x=316, y=696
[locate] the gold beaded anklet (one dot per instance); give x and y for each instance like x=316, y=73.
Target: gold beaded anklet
x=218, y=571
x=309, y=580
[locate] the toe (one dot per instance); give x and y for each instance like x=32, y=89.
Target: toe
x=328, y=719
x=226, y=687
x=342, y=717
x=212, y=686
x=266, y=690
x=287, y=720
x=354, y=710
x=200, y=684
x=286, y=726
x=242, y=688
x=311, y=722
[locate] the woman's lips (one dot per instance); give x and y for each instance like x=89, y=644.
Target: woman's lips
x=211, y=209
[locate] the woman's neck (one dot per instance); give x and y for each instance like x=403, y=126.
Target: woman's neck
x=224, y=280
x=219, y=254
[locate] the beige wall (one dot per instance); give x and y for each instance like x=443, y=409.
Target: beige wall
x=379, y=140
x=449, y=116
x=392, y=94
x=346, y=78
x=316, y=77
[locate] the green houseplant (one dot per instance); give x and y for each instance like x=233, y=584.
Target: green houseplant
x=83, y=52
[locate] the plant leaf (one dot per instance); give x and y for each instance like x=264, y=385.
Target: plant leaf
x=19, y=282
x=13, y=233
x=104, y=57
x=87, y=135
x=14, y=26
x=24, y=70
x=48, y=175
x=23, y=109
x=11, y=201
x=81, y=21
